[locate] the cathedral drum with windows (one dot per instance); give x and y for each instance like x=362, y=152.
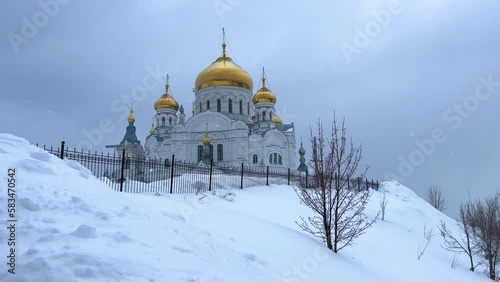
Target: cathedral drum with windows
x=229, y=123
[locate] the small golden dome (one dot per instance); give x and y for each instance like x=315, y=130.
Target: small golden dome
x=302, y=150
x=264, y=95
x=206, y=139
x=152, y=130
x=224, y=72
x=131, y=117
x=277, y=120
x=166, y=101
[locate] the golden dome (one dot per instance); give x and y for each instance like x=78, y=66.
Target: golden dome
x=206, y=139
x=224, y=72
x=277, y=120
x=264, y=95
x=131, y=117
x=302, y=150
x=152, y=130
x=166, y=101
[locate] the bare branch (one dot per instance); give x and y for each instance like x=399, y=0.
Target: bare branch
x=383, y=204
x=428, y=234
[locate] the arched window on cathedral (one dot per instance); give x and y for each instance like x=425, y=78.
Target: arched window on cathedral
x=200, y=107
x=218, y=105
x=241, y=107
x=163, y=121
x=248, y=108
x=270, y=115
x=263, y=115
x=220, y=152
x=275, y=158
x=208, y=105
x=230, y=105
x=170, y=120
x=255, y=158
x=200, y=152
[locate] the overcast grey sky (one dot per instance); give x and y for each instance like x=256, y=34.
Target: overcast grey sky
x=66, y=66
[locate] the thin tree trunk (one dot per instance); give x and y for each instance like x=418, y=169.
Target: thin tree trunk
x=470, y=251
x=328, y=229
x=492, y=267
x=336, y=218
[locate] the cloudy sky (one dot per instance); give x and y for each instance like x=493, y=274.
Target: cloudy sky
x=418, y=81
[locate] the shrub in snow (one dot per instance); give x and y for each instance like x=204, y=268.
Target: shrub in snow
x=435, y=198
x=383, y=204
x=199, y=187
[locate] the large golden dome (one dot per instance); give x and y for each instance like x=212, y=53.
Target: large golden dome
x=264, y=95
x=166, y=101
x=224, y=72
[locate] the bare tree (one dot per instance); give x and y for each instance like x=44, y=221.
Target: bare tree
x=462, y=242
x=339, y=208
x=435, y=197
x=383, y=204
x=485, y=223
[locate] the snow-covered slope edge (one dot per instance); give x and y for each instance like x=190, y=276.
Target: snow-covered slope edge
x=72, y=227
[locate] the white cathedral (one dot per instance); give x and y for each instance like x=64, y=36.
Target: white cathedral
x=229, y=124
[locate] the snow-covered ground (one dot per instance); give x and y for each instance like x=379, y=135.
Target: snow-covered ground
x=72, y=227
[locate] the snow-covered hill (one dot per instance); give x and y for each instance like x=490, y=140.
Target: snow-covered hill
x=72, y=227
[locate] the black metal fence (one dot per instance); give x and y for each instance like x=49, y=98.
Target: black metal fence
x=126, y=173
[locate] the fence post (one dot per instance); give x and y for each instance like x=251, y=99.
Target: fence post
x=373, y=187
x=122, y=171
x=62, y=150
x=366, y=183
x=359, y=184
x=172, y=175
x=241, y=185
x=377, y=185
x=307, y=176
x=288, y=176
x=210, y=177
x=267, y=176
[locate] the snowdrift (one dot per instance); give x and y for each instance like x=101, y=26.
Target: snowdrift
x=72, y=227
